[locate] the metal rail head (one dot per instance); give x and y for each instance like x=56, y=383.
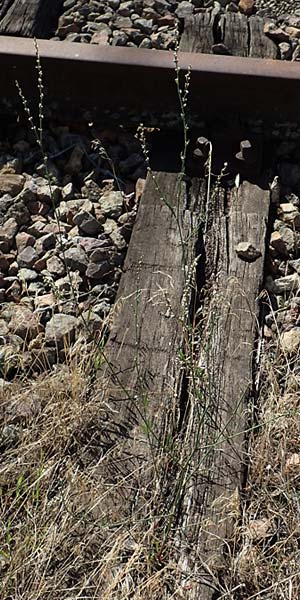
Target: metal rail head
x=97, y=77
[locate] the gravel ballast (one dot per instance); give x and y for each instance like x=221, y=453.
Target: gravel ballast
x=64, y=232
x=153, y=24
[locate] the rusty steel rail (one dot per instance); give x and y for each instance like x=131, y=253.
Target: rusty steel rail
x=94, y=77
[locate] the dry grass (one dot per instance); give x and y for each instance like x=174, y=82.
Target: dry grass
x=56, y=539
x=266, y=561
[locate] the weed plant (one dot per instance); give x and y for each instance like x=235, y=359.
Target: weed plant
x=59, y=540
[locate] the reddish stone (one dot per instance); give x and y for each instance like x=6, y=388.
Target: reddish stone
x=23, y=240
x=247, y=6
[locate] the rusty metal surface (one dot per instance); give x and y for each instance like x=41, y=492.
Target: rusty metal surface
x=94, y=77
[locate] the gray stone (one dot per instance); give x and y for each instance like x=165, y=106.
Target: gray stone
x=61, y=330
x=24, y=323
x=10, y=165
x=289, y=214
x=290, y=341
x=55, y=266
x=44, y=243
x=91, y=190
x=5, y=244
x=9, y=434
x=27, y=257
x=68, y=284
x=90, y=244
x=283, y=284
x=67, y=192
x=9, y=230
x=92, y=28
x=184, y=9
x=44, y=301
x=292, y=21
x=19, y=212
x=27, y=275
x=146, y=25
x=137, y=36
x=76, y=259
x=35, y=288
x=296, y=54
x=289, y=238
x=102, y=308
x=109, y=226
x=163, y=6
x=118, y=239
x=69, y=208
x=28, y=192
x=11, y=184
x=285, y=50
x=98, y=213
x=112, y=204
x=126, y=8
x=63, y=30
x=7, y=312
x=96, y=271
x=119, y=38
x=87, y=223
x=99, y=255
x=122, y=22
x=146, y=43
x=48, y=193
x=14, y=288
x=37, y=229
x=101, y=37
x=295, y=200
x=105, y=17
x=221, y=49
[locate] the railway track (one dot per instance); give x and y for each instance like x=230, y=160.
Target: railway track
x=195, y=268
x=106, y=77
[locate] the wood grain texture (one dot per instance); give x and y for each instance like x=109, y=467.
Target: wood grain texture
x=242, y=36
x=140, y=376
x=198, y=33
x=29, y=18
x=226, y=384
x=260, y=45
x=235, y=33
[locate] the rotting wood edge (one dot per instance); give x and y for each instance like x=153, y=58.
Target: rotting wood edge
x=221, y=416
